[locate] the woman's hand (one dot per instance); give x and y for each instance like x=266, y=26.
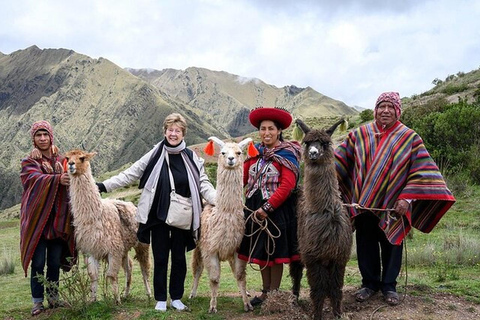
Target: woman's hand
x=261, y=214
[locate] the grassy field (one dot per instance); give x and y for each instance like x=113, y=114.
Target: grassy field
x=445, y=261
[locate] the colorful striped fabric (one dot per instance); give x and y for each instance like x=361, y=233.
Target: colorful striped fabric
x=43, y=195
x=376, y=168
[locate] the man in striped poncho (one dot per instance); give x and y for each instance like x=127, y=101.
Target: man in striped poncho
x=46, y=231
x=384, y=165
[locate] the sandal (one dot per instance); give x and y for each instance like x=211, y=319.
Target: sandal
x=391, y=298
x=37, y=308
x=364, y=294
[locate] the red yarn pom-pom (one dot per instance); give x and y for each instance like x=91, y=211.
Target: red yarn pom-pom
x=252, y=151
x=209, y=148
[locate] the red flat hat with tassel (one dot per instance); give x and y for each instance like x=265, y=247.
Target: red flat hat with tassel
x=279, y=115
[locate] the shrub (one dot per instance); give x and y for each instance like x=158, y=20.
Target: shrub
x=366, y=115
x=452, y=88
x=7, y=266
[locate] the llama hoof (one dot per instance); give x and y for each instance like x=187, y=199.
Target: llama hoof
x=247, y=307
x=212, y=310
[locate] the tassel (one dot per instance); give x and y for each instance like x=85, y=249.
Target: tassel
x=65, y=165
x=54, y=150
x=209, y=148
x=35, y=154
x=344, y=125
x=47, y=167
x=297, y=133
x=252, y=151
x=58, y=167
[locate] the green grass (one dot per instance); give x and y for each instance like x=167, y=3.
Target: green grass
x=446, y=260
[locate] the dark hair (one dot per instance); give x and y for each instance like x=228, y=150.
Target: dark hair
x=277, y=125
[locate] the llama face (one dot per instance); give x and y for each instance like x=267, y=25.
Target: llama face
x=318, y=145
x=231, y=155
x=78, y=162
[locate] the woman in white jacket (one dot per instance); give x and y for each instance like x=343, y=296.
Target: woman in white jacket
x=190, y=180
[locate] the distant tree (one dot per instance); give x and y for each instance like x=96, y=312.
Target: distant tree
x=450, y=77
x=437, y=82
x=366, y=115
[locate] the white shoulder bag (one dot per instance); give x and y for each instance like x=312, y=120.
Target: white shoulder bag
x=180, y=211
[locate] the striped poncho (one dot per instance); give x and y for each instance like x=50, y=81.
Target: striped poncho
x=43, y=196
x=375, y=168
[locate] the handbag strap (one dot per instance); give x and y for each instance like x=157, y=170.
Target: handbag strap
x=170, y=175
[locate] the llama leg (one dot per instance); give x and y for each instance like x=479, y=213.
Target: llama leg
x=92, y=268
x=239, y=271
x=197, y=269
x=127, y=267
x=114, y=265
x=142, y=254
x=296, y=273
x=318, y=281
x=213, y=266
x=336, y=294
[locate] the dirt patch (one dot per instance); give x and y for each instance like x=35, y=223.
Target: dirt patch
x=423, y=306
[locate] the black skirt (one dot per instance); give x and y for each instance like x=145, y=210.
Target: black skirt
x=278, y=245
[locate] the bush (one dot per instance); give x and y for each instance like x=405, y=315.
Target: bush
x=366, y=115
x=452, y=88
x=451, y=134
x=7, y=266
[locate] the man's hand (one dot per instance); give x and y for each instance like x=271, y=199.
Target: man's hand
x=401, y=207
x=65, y=179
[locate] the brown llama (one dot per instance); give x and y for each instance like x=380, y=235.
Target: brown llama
x=324, y=228
x=105, y=229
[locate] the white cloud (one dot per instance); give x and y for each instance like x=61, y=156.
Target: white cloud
x=349, y=50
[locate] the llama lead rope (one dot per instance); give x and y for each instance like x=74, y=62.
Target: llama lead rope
x=263, y=226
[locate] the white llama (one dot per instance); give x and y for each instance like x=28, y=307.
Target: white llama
x=222, y=225
x=104, y=228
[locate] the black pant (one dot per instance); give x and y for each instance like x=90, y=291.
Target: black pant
x=370, y=239
x=167, y=239
x=51, y=251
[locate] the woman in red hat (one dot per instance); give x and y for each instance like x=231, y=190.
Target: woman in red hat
x=271, y=178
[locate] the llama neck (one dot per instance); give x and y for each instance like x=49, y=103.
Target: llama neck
x=321, y=185
x=229, y=189
x=84, y=196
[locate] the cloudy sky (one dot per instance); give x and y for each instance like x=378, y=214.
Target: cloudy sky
x=350, y=50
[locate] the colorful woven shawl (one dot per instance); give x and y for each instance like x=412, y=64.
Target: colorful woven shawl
x=43, y=192
x=376, y=168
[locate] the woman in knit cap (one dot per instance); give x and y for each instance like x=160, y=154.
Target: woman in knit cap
x=384, y=165
x=46, y=232
x=270, y=179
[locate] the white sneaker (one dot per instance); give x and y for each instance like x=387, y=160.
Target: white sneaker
x=161, y=306
x=178, y=305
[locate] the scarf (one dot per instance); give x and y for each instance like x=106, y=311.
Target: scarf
x=152, y=171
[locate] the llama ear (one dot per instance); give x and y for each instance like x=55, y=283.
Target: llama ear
x=335, y=125
x=302, y=126
x=217, y=141
x=209, y=148
x=90, y=155
x=252, y=151
x=242, y=144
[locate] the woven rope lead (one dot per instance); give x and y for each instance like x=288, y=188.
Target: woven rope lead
x=263, y=226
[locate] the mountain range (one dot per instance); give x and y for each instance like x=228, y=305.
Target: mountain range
x=96, y=105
